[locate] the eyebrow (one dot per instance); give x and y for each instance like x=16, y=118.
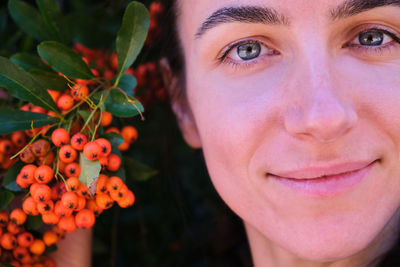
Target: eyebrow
x=266, y=15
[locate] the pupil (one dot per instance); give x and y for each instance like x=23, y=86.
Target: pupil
x=249, y=51
x=371, y=38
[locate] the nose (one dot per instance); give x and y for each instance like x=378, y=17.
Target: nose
x=319, y=109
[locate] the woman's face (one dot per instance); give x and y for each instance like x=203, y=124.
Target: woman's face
x=281, y=99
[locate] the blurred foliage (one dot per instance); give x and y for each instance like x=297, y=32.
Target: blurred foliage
x=178, y=218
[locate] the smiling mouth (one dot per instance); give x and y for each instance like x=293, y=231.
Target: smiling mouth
x=324, y=181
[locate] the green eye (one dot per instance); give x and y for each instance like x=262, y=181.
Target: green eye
x=371, y=38
x=249, y=51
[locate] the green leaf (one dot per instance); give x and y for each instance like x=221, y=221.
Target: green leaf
x=6, y=265
x=28, y=61
x=22, y=85
x=62, y=59
x=84, y=114
x=118, y=104
x=9, y=181
x=16, y=120
x=137, y=171
x=114, y=138
x=28, y=19
x=126, y=83
x=34, y=222
x=49, y=80
x=90, y=170
x=132, y=35
x=53, y=18
x=5, y=198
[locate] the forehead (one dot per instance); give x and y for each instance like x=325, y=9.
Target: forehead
x=195, y=16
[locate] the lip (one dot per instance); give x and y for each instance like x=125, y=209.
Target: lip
x=324, y=181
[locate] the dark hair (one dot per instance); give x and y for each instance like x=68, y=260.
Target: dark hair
x=172, y=51
x=172, y=48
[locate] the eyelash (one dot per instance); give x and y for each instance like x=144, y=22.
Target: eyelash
x=361, y=48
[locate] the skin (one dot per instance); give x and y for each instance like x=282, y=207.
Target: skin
x=316, y=102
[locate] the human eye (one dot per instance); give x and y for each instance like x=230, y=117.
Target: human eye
x=374, y=41
x=246, y=53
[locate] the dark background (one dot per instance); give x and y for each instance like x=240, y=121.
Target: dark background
x=178, y=219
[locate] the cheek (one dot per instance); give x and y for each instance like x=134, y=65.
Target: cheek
x=234, y=116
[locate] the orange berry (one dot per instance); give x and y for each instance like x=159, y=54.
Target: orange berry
x=61, y=166
x=27, y=156
x=60, y=233
x=25, y=239
x=21, y=182
x=101, y=187
x=67, y=154
x=105, y=147
x=92, y=151
x=104, y=201
x=50, y=218
x=27, y=173
x=42, y=193
x=14, y=228
x=62, y=211
x=37, y=247
x=106, y=118
x=72, y=169
x=85, y=219
x=18, y=216
x=65, y=102
x=46, y=160
x=124, y=146
x=21, y=254
x=8, y=241
x=129, y=133
x=70, y=200
x=113, y=130
x=128, y=200
x=67, y=224
x=58, y=190
x=78, y=141
x=43, y=174
x=18, y=138
x=92, y=205
x=38, y=109
x=54, y=94
x=103, y=162
x=6, y=147
x=29, y=206
x=114, y=184
x=3, y=218
x=114, y=162
x=73, y=184
x=79, y=92
x=50, y=238
x=60, y=137
x=118, y=195
x=40, y=148
x=83, y=191
x=45, y=207
x=81, y=203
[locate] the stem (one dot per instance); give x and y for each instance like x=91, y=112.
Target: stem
x=97, y=125
x=89, y=119
x=117, y=80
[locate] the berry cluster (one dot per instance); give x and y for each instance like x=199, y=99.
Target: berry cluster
x=65, y=203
